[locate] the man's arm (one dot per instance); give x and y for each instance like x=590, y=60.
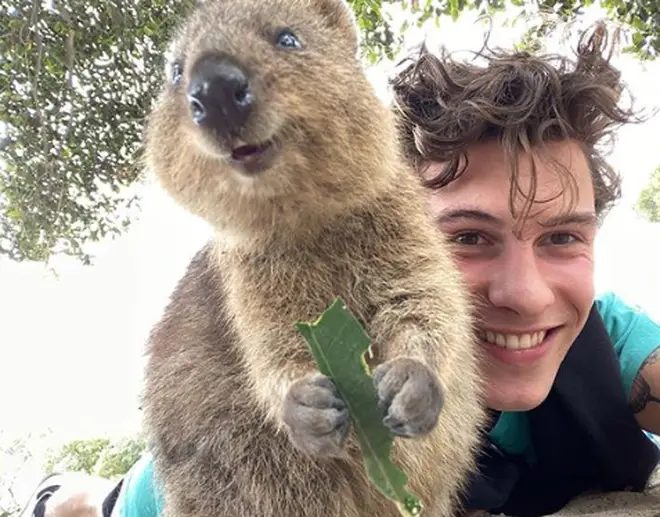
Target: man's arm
x=644, y=398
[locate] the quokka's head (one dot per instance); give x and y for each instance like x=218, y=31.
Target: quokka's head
x=266, y=116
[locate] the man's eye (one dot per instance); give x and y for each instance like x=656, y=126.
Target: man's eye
x=562, y=238
x=466, y=239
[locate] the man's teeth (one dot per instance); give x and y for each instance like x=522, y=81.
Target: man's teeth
x=515, y=341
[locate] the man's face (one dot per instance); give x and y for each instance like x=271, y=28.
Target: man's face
x=532, y=286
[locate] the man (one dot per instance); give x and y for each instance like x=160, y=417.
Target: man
x=516, y=181
x=508, y=151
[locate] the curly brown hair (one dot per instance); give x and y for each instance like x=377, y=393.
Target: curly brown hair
x=444, y=106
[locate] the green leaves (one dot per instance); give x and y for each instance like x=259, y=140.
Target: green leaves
x=642, y=16
x=339, y=343
x=98, y=456
x=648, y=202
x=76, y=80
x=79, y=455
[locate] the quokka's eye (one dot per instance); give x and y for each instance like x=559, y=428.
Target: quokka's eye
x=177, y=73
x=287, y=39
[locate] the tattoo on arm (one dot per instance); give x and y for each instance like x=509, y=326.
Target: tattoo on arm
x=640, y=393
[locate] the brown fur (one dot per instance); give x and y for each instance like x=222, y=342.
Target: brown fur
x=336, y=214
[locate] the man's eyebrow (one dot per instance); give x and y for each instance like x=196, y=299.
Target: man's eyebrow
x=467, y=213
x=579, y=218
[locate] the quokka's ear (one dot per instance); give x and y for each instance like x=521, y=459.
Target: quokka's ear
x=339, y=14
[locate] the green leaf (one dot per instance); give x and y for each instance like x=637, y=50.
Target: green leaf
x=338, y=343
x=14, y=214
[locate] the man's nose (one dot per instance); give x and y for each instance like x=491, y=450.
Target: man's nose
x=519, y=284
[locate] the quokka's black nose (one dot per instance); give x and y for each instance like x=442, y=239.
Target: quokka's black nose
x=219, y=94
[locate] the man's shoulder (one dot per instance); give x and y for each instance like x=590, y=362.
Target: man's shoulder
x=139, y=496
x=610, y=304
x=633, y=332
x=622, y=318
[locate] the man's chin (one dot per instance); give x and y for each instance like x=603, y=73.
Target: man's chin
x=517, y=396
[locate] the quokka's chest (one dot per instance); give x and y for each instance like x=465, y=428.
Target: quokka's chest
x=304, y=288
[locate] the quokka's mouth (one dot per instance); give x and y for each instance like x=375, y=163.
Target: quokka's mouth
x=252, y=158
x=248, y=151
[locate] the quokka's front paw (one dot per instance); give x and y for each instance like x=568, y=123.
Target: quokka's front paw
x=316, y=416
x=410, y=396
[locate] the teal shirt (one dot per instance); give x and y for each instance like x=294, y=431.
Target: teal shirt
x=634, y=336
x=139, y=497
